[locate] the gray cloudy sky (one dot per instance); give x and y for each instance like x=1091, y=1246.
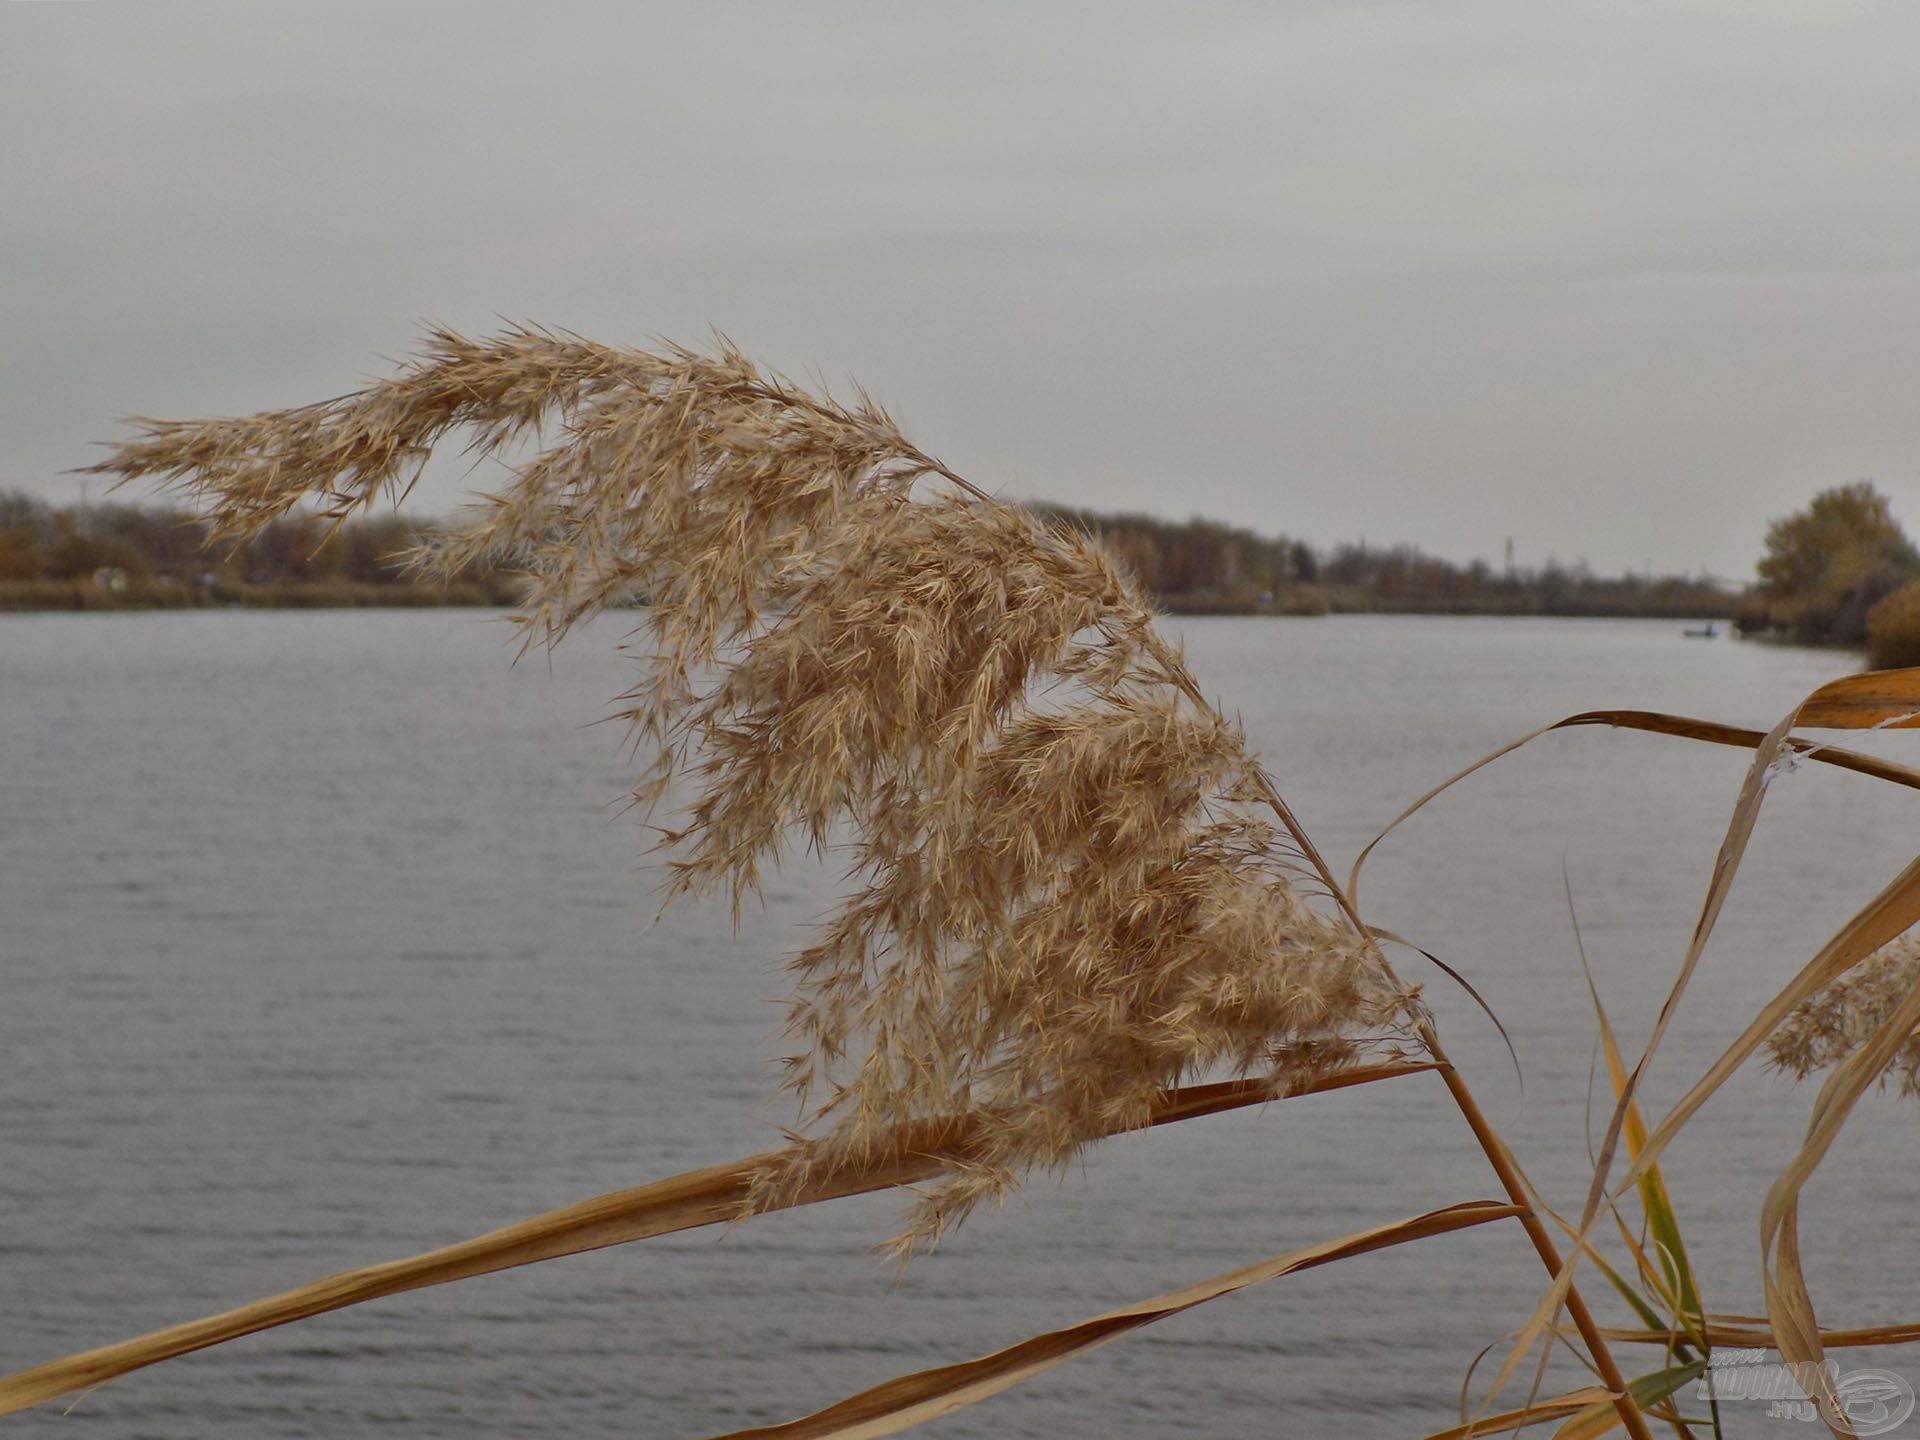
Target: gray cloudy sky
x=1622, y=281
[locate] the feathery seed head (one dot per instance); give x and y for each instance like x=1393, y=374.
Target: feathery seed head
x=1845, y=1013
x=1062, y=899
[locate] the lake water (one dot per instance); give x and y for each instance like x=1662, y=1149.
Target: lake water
x=324, y=939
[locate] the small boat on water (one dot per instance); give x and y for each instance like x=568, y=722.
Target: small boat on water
x=1700, y=632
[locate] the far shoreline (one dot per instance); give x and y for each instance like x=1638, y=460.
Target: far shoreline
x=86, y=596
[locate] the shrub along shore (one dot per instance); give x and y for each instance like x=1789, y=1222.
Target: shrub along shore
x=1840, y=572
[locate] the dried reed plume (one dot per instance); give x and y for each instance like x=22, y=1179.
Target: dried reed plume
x=1062, y=897
x=1844, y=1014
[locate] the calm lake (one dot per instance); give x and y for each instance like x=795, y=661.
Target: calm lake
x=325, y=939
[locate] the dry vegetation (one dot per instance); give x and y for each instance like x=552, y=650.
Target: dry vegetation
x=1893, y=628
x=1831, y=570
x=1075, y=900
x=1065, y=900
x=1834, y=1024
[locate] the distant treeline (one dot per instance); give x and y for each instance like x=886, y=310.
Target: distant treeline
x=1201, y=567
x=129, y=556
x=103, y=556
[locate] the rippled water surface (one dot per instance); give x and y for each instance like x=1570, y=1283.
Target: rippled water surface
x=324, y=939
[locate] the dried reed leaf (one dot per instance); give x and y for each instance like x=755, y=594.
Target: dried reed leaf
x=1861, y=1024
x=1795, y=1332
x=1789, y=1304
x=1064, y=896
x=1538, y=1413
x=1789, y=1307
x=1871, y=700
x=1840, y=1017
x=926, y=1394
x=1894, y=910
x=1883, y=699
x=1649, y=1392
x=681, y=1202
x=1653, y=722
x=1627, y=1292
x=1672, y=1279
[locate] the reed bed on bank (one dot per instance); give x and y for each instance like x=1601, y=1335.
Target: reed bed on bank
x=1075, y=903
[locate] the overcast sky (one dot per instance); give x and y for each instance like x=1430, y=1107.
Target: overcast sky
x=1620, y=281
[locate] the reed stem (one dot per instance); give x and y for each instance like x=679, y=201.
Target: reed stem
x=1512, y=1179
x=1515, y=1184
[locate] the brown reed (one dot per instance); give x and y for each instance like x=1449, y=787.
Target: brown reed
x=1066, y=891
x=1840, y=1018
x=1061, y=898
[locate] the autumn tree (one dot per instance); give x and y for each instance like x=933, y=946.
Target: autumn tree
x=1827, y=565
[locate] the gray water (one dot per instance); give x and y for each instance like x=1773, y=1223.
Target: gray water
x=324, y=939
